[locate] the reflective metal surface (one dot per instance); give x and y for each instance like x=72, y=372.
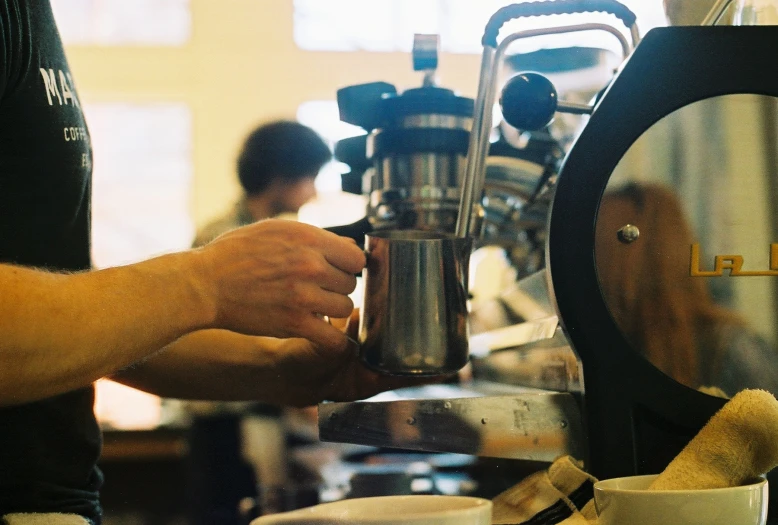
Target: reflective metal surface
x=515, y=208
x=523, y=302
x=434, y=120
x=419, y=190
x=549, y=364
x=696, y=292
x=513, y=336
x=414, y=315
x=489, y=422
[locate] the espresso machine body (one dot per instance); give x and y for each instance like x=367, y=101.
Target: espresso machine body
x=638, y=417
x=612, y=406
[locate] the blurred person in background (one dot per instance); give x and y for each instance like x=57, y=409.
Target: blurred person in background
x=277, y=168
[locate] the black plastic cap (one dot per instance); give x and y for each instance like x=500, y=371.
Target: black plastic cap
x=360, y=104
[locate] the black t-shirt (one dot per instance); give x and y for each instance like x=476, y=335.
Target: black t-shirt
x=48, y=449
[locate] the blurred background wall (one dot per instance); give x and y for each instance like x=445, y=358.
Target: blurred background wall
x=171, y=87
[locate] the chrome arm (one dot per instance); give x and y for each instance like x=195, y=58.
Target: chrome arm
x=477, y=146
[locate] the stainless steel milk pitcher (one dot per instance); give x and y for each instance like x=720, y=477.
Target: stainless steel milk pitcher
x=414, y=314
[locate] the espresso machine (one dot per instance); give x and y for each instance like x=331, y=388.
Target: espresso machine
x=560, y=363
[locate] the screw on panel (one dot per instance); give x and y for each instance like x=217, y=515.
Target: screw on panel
x=628, y=233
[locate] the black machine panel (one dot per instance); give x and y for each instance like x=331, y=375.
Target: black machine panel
x=639, y=417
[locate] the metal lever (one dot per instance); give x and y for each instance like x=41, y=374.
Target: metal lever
x=529, y=101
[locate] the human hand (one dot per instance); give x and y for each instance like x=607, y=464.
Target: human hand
x=278, y=278
x=311, y=373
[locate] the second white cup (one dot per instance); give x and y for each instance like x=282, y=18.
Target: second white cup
x=621, y=501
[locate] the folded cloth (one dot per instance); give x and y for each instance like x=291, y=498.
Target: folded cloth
x=555, y=496
x=739, y=443
x=568, y=476
x=43, y=518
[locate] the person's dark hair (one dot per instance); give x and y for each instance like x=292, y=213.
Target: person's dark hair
x=283, y=149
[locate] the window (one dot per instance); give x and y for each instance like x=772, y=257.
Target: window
x=389, y=25
x=140, y=208
x=123, y=22
x=332, y=207
x=121, y=407
x=141, y=180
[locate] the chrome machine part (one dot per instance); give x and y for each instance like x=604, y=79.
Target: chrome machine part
x=660, y=230
x=541, y=94
x=416, y=147
x=492, y=57
x=488, y=420
x=549, y=364
x=515, y=206
x=518, y=340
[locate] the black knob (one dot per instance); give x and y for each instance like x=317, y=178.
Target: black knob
x=528, y=101
x=353, y=151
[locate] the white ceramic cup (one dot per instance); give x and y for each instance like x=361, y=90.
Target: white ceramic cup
x=621, y=501
x=390, y=510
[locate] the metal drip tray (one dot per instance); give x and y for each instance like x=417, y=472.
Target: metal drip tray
x=480, y=418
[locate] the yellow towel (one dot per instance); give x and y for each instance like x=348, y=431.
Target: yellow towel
x=737, y=444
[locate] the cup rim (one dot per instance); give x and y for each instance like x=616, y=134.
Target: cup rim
x=604, y=485
x=475, y=505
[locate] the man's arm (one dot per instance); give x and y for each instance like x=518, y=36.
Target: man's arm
x=222, y=365
x=59, y=332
